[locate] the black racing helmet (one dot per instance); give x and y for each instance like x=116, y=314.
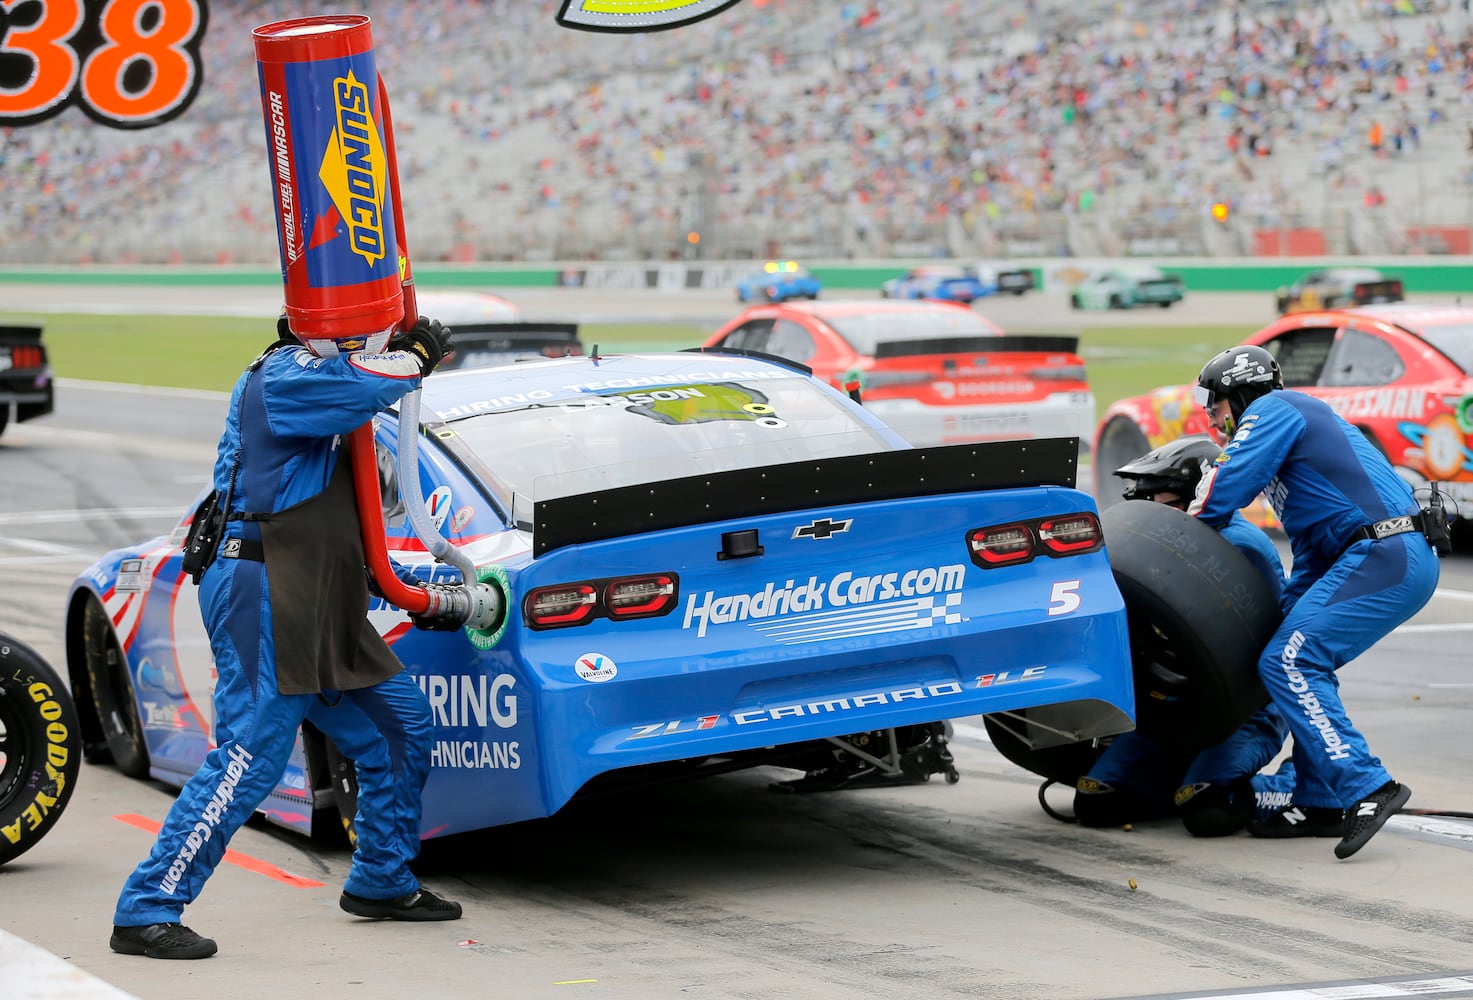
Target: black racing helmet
x=1240, y=375
x=1176, y=467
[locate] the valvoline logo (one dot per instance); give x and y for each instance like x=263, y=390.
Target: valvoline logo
x=354, y=168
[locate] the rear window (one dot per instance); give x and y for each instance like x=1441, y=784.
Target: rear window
x=1454, y=340
x=864, y=332
x=609, y=439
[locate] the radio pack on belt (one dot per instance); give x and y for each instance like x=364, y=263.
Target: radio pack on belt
x=1435, y=521
x=204, y=536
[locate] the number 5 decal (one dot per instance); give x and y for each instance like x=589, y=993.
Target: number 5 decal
x=1064, y=599
x=127, y=63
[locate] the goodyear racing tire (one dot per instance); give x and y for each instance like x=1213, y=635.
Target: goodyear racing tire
x=40, y=748
x=1121, y=441
x=112, y=692
x=1199, y=615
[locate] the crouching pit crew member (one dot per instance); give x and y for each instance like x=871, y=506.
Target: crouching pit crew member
x=1362, y=565
x=1216, y=791
x=285, y=603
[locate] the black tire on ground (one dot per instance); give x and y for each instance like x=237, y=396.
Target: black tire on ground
x=1074, y=302
x=1120, y=442
x=112, y=692
x=1116, y=302
x=40, y=748
x=4, y=417
x=1165, y=304
x=1063, y=764
x=1200, y=616
x=344, y=788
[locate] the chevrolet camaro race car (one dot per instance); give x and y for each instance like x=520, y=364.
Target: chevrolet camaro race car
x=947, y=282
x=1126, y=287
x=1401, y=372
x=778, y=281
x=25, y=376
x=937, y=372
x=490, y=330
x=710, y=561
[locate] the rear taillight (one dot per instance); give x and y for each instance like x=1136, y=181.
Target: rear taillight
x=879, y=379
x=1018, y=543
x=639, y=596
x=1071, y=534
x=24, y=356
x=620, y=598
x=555, y=607
x=997, y=546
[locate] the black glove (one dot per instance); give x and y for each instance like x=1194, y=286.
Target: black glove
x=428, y=340
x=448, y=607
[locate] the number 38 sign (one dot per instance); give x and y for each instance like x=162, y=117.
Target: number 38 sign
x=126, y=63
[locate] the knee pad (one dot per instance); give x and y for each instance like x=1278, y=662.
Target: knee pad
x=1215, y=810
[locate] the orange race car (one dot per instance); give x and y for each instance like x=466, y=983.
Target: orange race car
x=1398, y=371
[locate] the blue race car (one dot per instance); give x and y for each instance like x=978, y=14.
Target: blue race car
x=778, y=281
x=711, y=561
x=939, y=281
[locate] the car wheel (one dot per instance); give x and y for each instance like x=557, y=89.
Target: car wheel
x=112, y=692
x=344, y=778
x=1116, y=302
x=1165, y=304
x=1121, y=441
x=1200, y=616
x=1074, y=302
x=40, y=747
x=4, y=417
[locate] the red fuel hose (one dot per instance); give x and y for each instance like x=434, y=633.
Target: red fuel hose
x=360, y=442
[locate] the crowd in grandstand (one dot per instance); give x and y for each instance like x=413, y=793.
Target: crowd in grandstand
x=851, y=128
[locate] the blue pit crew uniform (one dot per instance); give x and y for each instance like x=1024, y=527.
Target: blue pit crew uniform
x=280, y=454
x=1154, y=779
x=1327, y=484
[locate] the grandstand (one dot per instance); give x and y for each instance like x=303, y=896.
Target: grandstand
x=823, y=129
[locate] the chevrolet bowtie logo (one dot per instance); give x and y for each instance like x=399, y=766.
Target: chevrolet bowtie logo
x=822, y=528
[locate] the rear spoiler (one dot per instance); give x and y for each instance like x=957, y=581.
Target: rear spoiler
x=490, y=343
x=20, y=335
x=815, y=483
x=1011, y=343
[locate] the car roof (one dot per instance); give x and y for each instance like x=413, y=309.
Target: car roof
x=463, y=392
x=1353, y=272
x=451, y=307
x=839, y=308
x=1416, y=315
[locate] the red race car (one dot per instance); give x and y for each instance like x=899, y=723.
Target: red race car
x=1398, y=371
x=937, y=372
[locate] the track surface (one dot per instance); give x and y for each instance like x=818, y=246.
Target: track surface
x=724, y=889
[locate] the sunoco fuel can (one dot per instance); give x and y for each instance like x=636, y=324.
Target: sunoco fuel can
x=320, y=95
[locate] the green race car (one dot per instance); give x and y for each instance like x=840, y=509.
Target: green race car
x=1127, y=286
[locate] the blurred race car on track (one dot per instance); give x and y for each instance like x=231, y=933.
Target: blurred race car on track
x=955, y=283
x=730, y=563
x=490, y=330
x=1402, y=373
x=937, y=372
x=778, y=281
x=1334, y=287
x=26, y=388
x=1127, y=286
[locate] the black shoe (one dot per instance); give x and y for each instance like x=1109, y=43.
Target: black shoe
x=1363, y=819
x=161, y=941
x=1300, y=821
x=421, y=904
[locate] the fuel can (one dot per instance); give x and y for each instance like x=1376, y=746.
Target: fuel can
x=341, y=265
